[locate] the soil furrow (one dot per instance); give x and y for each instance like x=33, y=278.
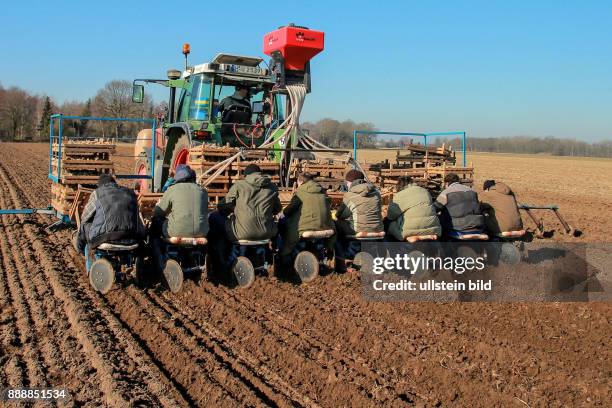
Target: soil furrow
x=29, y=340
x=185, y=353
x=94, y=331
x=231, y=350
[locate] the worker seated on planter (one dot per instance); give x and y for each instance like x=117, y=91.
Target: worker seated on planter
x=183, y=209
x=411, y=213
x=360, y=211
x=500, y=209
x=459, y=207
x=110, y=216
x=248, y=211
x=308, y=210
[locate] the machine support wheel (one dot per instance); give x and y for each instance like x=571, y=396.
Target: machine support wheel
x=243, y=272
x=509, y=254
x=306, y=266
x=364, y=262
x=173, y=275
x=102, y=275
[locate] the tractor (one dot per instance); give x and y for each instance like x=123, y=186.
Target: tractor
x=193, y=117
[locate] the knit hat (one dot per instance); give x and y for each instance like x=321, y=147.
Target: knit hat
x=251, y=168
x=488, y=184
x=353, y=175
x=104, y=179
x=184, y=173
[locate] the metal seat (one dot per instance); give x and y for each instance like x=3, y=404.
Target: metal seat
x=367, y=236
x=469, y=235
x=512, y=234
x=184, y=241
x=416, y=238
x=249, y=242
x=317, y=234
x=107, y=246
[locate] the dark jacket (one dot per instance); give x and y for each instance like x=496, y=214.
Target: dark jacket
x=412, y=213
x=255, y=202
x=185, y=204
x=113, y=213
x=361, y=209
x=235, y=100
x=460, y=209
x=500, y=208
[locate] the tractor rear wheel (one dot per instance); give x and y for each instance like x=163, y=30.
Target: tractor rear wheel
x=180, y=152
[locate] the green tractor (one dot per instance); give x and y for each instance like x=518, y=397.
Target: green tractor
x=231, y=101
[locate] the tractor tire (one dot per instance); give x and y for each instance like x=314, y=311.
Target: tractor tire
x=143, y=167
x=306, y=266
x=173, y=275
x=243, y=271
x=180, y=152
x=102, y=275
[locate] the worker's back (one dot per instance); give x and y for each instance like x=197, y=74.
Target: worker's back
x=411, y=213
x=256, y=202
x=314, y=212
x=186, y=204
x=502, y=210
x=362, y=208
x=461, y=209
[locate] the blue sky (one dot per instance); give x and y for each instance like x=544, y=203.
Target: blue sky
x=492, y=68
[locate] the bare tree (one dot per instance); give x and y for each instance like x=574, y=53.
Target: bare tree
x=115, y=101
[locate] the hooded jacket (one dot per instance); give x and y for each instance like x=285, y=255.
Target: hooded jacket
x=412, y=213
x=308, y=210
x=255, y=201
x=500, y=208
x=185, y=204
x=361, y=209
x=460, y=209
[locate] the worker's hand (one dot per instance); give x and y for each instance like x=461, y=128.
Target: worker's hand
x=334, y=215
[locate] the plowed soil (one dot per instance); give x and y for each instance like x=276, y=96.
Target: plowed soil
x=275, y=344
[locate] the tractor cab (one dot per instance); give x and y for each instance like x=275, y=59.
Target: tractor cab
x=225, y=101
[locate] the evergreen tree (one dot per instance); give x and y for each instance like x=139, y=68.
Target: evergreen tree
x=45, y=117
x=85, y=112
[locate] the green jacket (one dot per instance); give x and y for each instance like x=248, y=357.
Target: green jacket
x=185, y=206
x=255, y=202
x=411, y=212
x=361, y=209
x=308, y=210
x=310, y=207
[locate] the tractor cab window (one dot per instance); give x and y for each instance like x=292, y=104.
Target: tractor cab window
x=225, y=90
x=197, y=96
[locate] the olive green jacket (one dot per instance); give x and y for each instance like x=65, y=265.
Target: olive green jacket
x=255, y=202
x=411, y=212
x=308, y=210
x=185, y=207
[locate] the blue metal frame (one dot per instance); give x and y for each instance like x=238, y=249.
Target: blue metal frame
x=59, y=137
x=423, y=135
x=63, y=218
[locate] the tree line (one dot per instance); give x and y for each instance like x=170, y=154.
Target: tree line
x=26, y=117
x=533, y=145
x=340, y=135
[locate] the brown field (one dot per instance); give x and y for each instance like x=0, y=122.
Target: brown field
x=278, y=344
